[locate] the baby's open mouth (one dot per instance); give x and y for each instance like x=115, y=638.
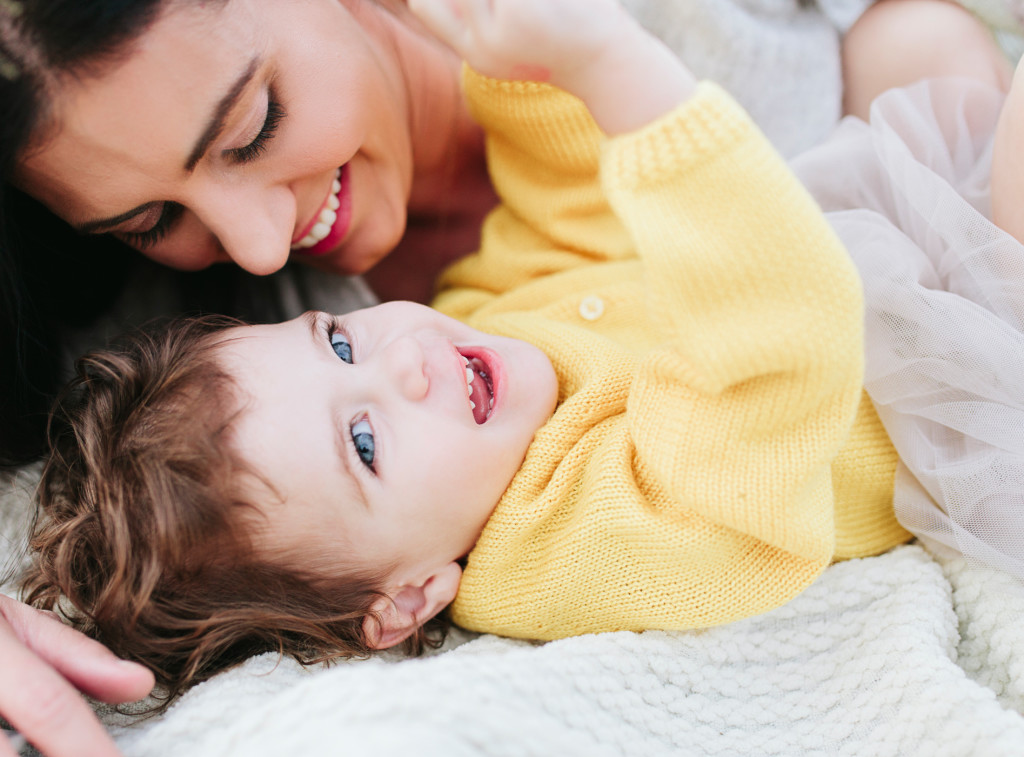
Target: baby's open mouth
x=480, y=388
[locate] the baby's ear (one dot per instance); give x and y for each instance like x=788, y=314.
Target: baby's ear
x=409, y=606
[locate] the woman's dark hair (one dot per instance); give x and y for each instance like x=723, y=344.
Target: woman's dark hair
x=51, y=278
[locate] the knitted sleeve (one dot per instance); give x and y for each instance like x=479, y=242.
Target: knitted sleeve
x=543, y=155
x=741, y=410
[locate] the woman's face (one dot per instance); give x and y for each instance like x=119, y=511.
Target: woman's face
x=251, y=130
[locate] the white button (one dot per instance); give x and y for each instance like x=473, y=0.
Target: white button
x=592, y=308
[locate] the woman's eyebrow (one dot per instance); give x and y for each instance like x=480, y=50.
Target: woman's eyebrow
x=220, y=115
x=213, y=130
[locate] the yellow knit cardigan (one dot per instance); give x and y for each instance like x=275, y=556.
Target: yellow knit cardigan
x=712, y=450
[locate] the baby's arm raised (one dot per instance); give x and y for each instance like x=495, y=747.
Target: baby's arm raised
x=590, y=48
x=543, y=141
x=899, y=42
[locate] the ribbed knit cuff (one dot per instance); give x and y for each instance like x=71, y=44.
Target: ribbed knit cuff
x=705, y=126
x=527, y=112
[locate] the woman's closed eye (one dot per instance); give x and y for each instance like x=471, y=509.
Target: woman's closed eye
x=258, y=145
x=142, y=240
x=171, y=211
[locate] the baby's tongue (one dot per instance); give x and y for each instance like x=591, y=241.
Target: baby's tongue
x=480, y=398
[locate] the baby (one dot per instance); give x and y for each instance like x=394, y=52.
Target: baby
x=639, y=405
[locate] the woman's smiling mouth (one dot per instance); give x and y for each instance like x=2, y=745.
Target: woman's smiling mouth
x=331, y=224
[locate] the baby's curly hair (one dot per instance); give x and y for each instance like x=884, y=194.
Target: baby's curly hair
x=141, y=538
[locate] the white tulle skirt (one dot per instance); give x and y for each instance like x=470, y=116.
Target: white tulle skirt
x=944, y=293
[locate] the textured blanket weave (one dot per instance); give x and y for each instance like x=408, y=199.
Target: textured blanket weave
x=863, y=663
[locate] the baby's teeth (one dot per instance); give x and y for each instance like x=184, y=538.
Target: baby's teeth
x=472, y=404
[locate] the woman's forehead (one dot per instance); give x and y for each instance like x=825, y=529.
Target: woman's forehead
x=140, y=118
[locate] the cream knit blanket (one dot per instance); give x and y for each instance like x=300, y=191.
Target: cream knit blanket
x=892, y=655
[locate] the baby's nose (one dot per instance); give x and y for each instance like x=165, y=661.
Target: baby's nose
x=406, y=366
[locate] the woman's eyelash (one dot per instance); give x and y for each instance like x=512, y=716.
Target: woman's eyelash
x=253, y=150
x=142, y=240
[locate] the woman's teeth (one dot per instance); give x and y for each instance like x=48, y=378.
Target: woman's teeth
x=324, y=222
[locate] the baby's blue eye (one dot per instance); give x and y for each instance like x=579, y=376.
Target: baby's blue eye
x=362, y=437
x=341, y=347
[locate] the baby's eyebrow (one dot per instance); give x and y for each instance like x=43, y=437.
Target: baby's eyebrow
x=312, y=319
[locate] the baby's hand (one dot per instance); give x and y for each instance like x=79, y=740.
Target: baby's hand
x=590, y=48
x=538, y=40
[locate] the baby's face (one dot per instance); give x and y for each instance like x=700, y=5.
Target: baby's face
x=364, y=425
x=1008, y=161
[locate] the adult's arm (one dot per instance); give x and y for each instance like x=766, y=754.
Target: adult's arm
x=43, y=666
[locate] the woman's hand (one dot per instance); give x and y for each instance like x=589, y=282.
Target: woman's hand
x=42, y=662
x=591, y=48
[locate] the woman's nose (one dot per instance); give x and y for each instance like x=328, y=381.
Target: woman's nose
x=253, y=225
x=403, y=360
